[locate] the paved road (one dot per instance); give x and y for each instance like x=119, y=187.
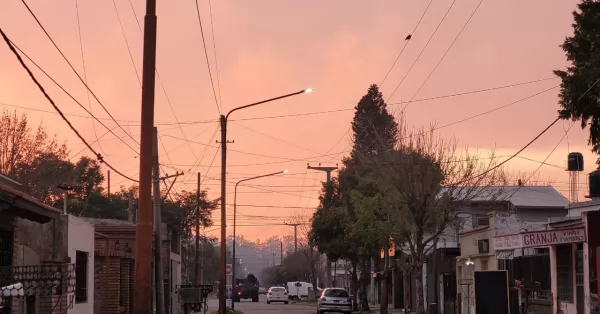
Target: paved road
x=249, y=307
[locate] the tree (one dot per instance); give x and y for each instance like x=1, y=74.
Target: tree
x=580, y=87
x=375, y=132
x=183, y=213
x=418, y=188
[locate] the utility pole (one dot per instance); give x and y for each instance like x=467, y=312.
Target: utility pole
x=130, y=213
x=66, y=188
x=327, y=170
x=197, y=278
x=143, y=243
x=159, y=273
x=273, y=253
x=281, y=244
x=108, y=184
x=295, y=235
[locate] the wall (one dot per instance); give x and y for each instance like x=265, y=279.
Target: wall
x=81, y=238
x=35, y=243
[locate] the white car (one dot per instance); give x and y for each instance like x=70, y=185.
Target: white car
x=277, y=294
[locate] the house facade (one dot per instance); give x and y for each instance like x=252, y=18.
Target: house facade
x=36, y=275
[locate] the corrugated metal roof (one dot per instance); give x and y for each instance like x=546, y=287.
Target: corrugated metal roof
x=27, y=198
x=521, y=196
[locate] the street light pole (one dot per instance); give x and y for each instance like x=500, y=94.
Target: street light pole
x=223, y=121
x=234, y=223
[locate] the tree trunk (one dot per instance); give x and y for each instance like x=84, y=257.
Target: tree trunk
x=419, y=287
x=353, y=285
x=406, y=284
x=383, y=306
x=364, y=282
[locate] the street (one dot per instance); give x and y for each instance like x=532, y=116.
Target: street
x=249, y=307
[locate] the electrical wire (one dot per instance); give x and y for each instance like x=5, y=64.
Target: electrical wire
x=73, y=68
x=406, y=41
x=188, y=123
x=41, y=88
x=206, y=56
x=137, y=74
x=212, y=30
x=277, y=139
x=160, y=81
x=85, y=73
x=12, y=44
x=531, y=142
x=422, y=50
x=445, y=53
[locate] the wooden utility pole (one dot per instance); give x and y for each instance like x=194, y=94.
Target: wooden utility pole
x=197, y=277
x=159, y=273
x=328, y=170
x=281, y=248
x=108, y=184
x=143, y=243
x=130, y=213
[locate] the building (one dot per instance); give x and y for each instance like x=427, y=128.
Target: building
x=114, y=250
x=80, y=248
x=515, y=209
x=34, y=262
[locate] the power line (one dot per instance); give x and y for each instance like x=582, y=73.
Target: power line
x=445, y=53
x=422, y=50
x=188, y=123
x=137, y=74
x=85, y=73
x=406, y=41
x=212, y=30
x=71, y=96
x=41, y=88
x=73, y=68
x=206, y=56
x=162, y=86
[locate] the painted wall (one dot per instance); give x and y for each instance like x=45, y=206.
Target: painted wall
x=81, y=238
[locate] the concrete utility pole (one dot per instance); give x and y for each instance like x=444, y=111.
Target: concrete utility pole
x=143, y=243
x=197, y=278
x=158, y=263
x=281, y=244
x=327, y=170
x=66, y=188
x=108, y=184
x=295, y=235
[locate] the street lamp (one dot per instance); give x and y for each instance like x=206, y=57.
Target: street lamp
x=223, y=121
x=234, y=220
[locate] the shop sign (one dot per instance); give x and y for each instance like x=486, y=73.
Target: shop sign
x=553, y=237
x=539, y=239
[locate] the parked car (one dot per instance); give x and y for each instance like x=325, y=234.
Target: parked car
x=277, y=294
x=334, y=300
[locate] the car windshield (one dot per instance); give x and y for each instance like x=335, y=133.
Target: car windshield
x=277, y=289
x=336, y=293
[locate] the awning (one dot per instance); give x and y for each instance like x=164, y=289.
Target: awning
x=16, y=203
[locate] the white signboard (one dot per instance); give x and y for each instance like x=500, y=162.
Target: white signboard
x=553, y=237
x=508, y=242
x=539, y=239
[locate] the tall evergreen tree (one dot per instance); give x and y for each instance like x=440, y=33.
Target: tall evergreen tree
x=374, y=128
x=580, y=88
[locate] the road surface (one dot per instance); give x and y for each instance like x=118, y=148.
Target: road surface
x=260, y=307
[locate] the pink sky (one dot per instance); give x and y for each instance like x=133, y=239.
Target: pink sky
x=268, y=48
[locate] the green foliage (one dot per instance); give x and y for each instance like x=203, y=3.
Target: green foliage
x=187, y=209
x=580, y=88
x=374, y=129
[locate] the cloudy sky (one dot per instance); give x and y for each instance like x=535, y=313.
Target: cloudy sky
x=268, y=48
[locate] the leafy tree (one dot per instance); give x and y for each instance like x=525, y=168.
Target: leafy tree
x=418, y=188
x=580, y=87
x=183, y=212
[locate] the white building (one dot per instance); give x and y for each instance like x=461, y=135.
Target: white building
x=80, y=235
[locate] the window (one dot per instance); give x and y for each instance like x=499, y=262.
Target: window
x=483, y=246
x=81, y=277
x=564, y=270
x=480, y=221
x=484, y=264
x=336, y=293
